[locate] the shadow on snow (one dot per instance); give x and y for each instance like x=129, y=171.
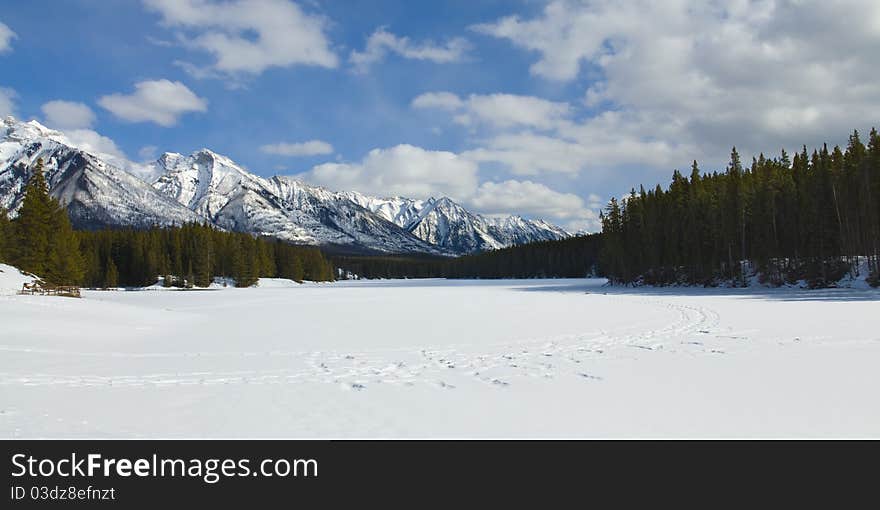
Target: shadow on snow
x=598, y=286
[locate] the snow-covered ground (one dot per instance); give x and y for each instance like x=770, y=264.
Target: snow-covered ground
x=12, y=280
x=433, y=358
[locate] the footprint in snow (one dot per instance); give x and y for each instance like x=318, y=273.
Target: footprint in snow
x=589, y=376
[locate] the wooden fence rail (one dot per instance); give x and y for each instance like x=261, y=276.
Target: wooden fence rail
x=50, y=290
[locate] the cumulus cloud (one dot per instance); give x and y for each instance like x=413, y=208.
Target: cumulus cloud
x=535, y=199
x=381, y=43
x=498, y=110
x=401, y=170
x=92, y=141
x=701, y=76
x=159, y=101
x=6, y=37
x=309, y=148
x=607, y=140
x=7, y=101
x=68, y=115
x=248, y=36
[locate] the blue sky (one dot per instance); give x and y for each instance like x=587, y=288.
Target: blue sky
x=545, y=109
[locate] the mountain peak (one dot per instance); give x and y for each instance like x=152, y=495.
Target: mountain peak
x=444, y=222
x=29, y=130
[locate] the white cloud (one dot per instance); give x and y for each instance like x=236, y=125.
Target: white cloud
x=381, y=42
x=401, y=170
x=96, y=143
x=6, y=37
x=92, y=141
x=498, y=110
x=159, y=101
x=249, y=36
x=309, y=148
x=506, y=110
x=439, y=100
x=68, y=115
x=534, y=199
x=148, y=152
x=7, y=101
x=610, y=139
x=532, y=154
x=688, y=79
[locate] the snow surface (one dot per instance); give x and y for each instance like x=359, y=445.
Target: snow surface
x=11, y=280
x=435, y=358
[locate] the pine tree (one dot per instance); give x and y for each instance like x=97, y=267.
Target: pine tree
x=200, y=266
x=34, y=223
x=65, y=264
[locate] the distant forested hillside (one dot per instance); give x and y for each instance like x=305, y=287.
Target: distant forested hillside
x=575, y=257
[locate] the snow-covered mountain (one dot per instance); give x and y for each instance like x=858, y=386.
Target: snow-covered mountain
x=216, y=188
x=96, y=192
x=445, y=223
x=208, y=187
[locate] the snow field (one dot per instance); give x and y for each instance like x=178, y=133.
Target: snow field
x=435, y=358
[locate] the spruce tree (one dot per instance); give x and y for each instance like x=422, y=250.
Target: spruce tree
x=34, y=223
x=65, y=264
x=200, y=266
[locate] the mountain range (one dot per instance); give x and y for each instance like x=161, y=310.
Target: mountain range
x=209, y=187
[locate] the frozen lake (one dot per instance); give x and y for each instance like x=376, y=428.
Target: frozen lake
x=435, y=358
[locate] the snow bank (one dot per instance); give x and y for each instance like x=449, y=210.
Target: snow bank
x=221, y=283
x=276, y=283
x=854, y=279
x=11, y=279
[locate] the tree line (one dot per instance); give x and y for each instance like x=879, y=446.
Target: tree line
x=812, y=216
x=40, y=240
x=192, y=255
x=574, y=257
